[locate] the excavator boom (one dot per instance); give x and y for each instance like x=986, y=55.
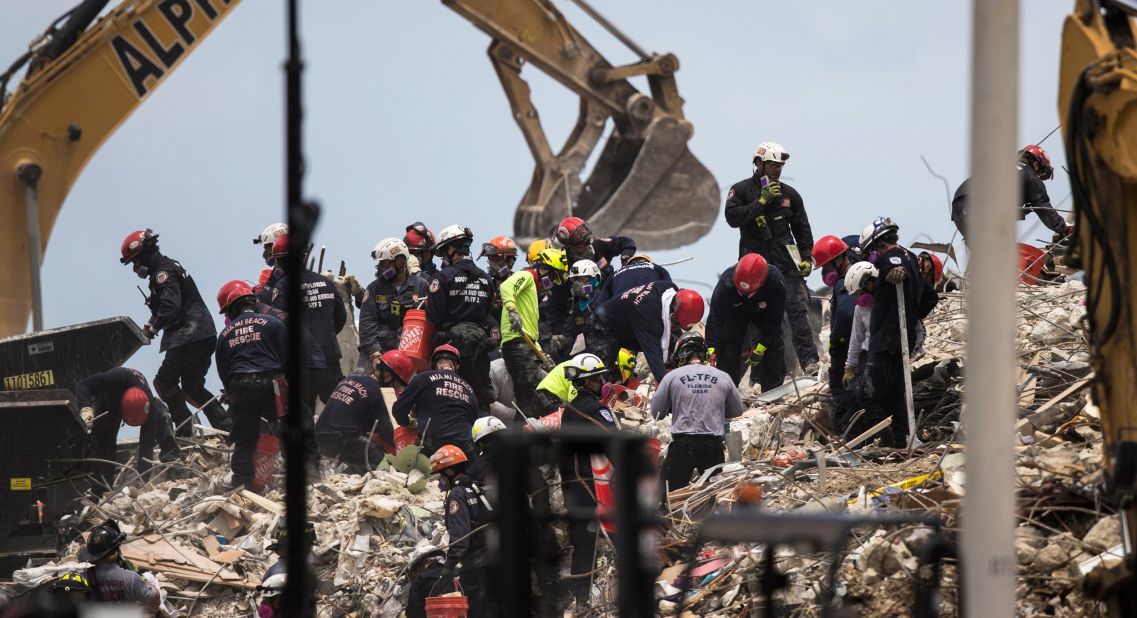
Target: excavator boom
x=646, y=183
x=81, y=85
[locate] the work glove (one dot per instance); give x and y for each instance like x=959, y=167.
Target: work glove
x=896, y=276
x=712, y=357
x=147, y=333
x=805, y=267
x=770, y=192
x=514, y=320
x=88, y=414
x=756, y=355
x=848, y=376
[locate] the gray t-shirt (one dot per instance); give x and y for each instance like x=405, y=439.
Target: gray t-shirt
x=114, y=584
x=700, y=397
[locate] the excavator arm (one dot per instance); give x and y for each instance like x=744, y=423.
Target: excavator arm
x=646, y=183
x=1098, y=105
x=82, y=83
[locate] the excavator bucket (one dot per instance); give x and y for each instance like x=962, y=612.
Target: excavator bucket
x=652, y=189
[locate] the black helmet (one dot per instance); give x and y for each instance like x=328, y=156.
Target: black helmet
x=281, y=539
x=73, y=583
x=689, y=344
x=102, y=541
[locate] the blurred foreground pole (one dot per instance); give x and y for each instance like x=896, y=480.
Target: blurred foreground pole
x=988, y=506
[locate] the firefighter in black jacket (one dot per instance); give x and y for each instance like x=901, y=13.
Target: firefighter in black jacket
x=833, y=256
x=637, y=270
x=387, y=299
x=444, y=404
x=355, y=426
x=122, y=395
x=1034, y=168
x=458, y=305
x=323, y=316
x=179, y=313
x=251, y=354
x=885, y=382
x=751, y=292
x=468, y=512
x=771, y=220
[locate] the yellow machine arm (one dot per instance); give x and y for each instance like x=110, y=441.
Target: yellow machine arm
x=1098, y=105
x=81, y=84
x=646, y=183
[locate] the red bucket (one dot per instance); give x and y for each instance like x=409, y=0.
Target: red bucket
x=653, y=447
x=404, y=436
x=446, y=607
x=264, y=461
x=417, y=338
x=1031, y=261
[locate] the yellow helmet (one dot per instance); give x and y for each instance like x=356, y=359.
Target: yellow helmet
x=536, y=247
x=640, y=256
x=626, y=361
x=556, y=261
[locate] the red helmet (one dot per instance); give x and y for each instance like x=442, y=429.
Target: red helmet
x=136, y=242
x=937, y=265
x=445, y=351
x=447, y=456
x=280, y=246
x=135, y=406
x=230, y=292
x=399, y=363
x=419, y=237
x=1032, y=151
x=688, y=308
x=827, y=248
x=750, y=274
x=574, y=232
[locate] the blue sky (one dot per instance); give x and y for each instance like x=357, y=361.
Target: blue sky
x=406, y=120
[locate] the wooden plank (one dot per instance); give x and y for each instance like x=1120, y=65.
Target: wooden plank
x=263, y=502
x=1026, y=426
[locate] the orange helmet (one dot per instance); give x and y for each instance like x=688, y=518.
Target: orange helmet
x=499, y=246
x=135, y=406
x=445, y=457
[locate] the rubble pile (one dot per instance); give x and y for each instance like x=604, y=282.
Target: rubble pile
x=209, y=547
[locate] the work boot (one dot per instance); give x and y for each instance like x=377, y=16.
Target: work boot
x=811, y=369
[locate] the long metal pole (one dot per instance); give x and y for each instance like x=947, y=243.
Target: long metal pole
x=988, y=506
x=30, y=174
x=907, y=358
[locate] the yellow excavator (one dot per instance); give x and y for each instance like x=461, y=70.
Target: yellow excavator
x=1097, y=102
x=86, y=75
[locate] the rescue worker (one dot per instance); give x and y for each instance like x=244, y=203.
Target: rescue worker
x=833, y=257
x=424, y=570
x=1034, y=168
x=485, y=443
x=519, y=323
x=638, y=270
x=444, y=404
x=885, y=377
x=121, y=395
x=625, y=389
x=387, y=298
x=179, y=313
x=700, y=399
x=268, y=276
x=251, y=355
x=645, y=318
x=467, y=510
x=584, y=279
x=420, y=241
x=355, y=427
x=932, y=267
x=860, y=282
x=112, y=580
x=501, y=254
x=588, y=374
x=771, y=220
x=575, y=236
x=459, y=296
x=555, y=390
x=750, y=293
x=393, y=369
x=323, y=317
x=272, y=596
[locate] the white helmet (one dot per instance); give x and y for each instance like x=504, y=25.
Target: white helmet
x=389, y=249
x=879, y=228
x=583, y=366
x=454, y=235
x=273, y=586
x=485, y=426
x=858, y=275
x=770, y=151
x=424, y=550
x=270, y=234
x=584, y=268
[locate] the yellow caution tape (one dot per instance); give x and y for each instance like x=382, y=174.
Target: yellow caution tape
x=904, y=485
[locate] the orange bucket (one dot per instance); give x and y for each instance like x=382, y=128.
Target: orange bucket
x=446, y=607
x=653, y=447
x=1031, y=261
x=417, y=338
x=404, y=436
x=264, y=461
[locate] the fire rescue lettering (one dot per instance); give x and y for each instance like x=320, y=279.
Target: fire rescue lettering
x=245, y=333
x=450, y=389
x=176, y=14
x=349, y=391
